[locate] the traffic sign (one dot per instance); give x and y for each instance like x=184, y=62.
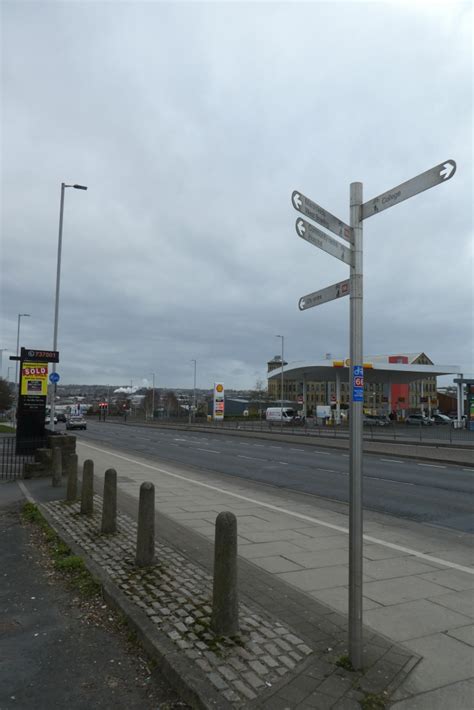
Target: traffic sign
x=343, y=288
x=357, y=383
x=440, y=173
x=54, y=378
x=322, y=240
x=321, y=216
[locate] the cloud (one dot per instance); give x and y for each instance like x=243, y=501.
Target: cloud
x=192, y=124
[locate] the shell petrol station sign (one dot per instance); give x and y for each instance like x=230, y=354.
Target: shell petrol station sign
x=218, y=408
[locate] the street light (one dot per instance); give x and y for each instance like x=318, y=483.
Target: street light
x=282, y=368
x=58, y=281
x=194, y=391
x=20, y=315
x=153, y=397
x=2, y=350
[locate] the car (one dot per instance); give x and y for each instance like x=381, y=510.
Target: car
x=418, y=419
x=375, y=420
x=441, y=419
x=47, y=419
x=76, y=423
x=62, y=417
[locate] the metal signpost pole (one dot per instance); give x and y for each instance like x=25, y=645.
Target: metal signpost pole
x=56, y=302
x=355, y=432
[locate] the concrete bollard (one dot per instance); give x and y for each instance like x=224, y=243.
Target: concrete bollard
x=146, y=526
x=87, y=493
x=57, y=466
x=71, y=470
x=225, y=602
x=109, y=503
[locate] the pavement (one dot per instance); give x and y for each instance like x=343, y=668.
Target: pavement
x=418, y=591
x=55, y=650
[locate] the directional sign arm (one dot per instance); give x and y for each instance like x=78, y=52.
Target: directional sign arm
x=330, y=293
x=320, y=239
x=440, y=173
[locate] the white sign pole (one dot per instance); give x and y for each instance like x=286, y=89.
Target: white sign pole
x=356, y=383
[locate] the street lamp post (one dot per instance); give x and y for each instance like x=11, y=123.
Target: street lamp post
x=20, y=316
x=194, y=391
x=153, y=397
x=282, y=376
x=58, y=281
x=2, y=350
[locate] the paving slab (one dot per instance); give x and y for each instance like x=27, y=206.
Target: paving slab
x=458, y=601
x=455, y=696
x=410, y=620
x=402, y=589
x=464, y=634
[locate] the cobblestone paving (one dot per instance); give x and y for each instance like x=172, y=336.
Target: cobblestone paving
x=176, y=595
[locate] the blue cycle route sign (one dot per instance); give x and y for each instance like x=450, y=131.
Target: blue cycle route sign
x=357, y=383
x=54, y=378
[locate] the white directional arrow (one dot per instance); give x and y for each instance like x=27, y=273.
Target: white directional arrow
x=320, y=239
x=321, y=216
x=296, y=200
x=300, y=227
x=440, y=173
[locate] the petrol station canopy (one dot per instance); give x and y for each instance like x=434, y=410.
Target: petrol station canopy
x=393, y=373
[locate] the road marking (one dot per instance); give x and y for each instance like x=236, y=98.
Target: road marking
x=25, y=492
x=259, y=444
x=469, y=469
x=283, y=463
x=392, y=460
x=323, y=453
x=253, y=458
x=346, y=456
x=431, y=465
x=303, y=450
x=285, y=511
x=390, y=480
x=331, y=470
x=179, y=439
x=208, y=451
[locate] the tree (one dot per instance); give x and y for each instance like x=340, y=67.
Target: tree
x=6, y=397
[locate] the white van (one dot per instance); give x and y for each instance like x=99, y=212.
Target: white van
x=280, y=414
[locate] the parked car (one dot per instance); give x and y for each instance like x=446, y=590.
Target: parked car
x=47, y=419
x=418, y=419
x=76, y=423
x=375, y=420
x=441, y=419
x=62, y=417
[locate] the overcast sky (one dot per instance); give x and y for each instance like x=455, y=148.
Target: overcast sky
x=191, y=124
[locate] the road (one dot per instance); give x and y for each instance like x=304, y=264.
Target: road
x=441, y=495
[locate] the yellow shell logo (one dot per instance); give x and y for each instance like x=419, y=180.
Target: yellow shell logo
x=219, y=388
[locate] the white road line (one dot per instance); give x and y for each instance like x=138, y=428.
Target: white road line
x=303, y=450
x=283, y=463
x=469, y=469
x=330, y=470
x=25, y=492
x=431, y=465
x=285, y=511
x=323, y=453
x=259, y=444
x=390, y=480
x=346, y=456
x=392, y=460
x=208, y=451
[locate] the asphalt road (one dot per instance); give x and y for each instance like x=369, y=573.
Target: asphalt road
x=438, y=494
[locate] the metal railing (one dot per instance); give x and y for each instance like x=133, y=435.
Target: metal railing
x=13, y=456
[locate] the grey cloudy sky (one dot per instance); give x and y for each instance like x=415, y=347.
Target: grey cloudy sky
x=191, y=124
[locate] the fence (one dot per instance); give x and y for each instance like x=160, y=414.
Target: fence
x=13, y=458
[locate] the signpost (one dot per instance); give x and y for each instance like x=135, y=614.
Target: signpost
x=320, y=239
x=343, y=288
x=354, y=286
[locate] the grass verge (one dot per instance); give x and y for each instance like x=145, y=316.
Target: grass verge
x=71, y=567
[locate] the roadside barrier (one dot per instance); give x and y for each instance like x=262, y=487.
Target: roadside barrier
x=225, y=602
x=145, y=555
x=109, y=505
x=71, y=471
x=87, y=493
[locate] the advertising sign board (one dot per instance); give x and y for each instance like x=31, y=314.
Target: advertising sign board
x=218, y=406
